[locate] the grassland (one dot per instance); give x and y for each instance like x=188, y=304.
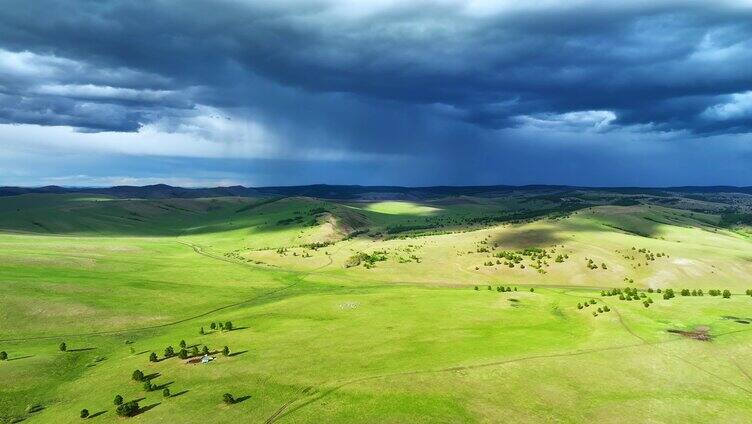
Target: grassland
x=374, y=311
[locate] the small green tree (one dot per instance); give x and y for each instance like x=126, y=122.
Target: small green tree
x=213, y=325
x=228, y=324
x=166, y=392
x=182, y=344
x=3, y=356
x=84, y=413
x=153, y=357
x=118, y=400
x=63, y=347
x=228, y=399
x=183, y=354
x=127, y=409
x=205, y=350
x=532, y=290
x=137, y=375
x=169, y=352
x=225, y=351
x=194, y=351
x=201, y=331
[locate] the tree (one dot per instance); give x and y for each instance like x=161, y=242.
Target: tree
x=476, y=289
x=84, y=413
x=194, y=351
x=228, y=399
x=225, y=351
x=183, y=354
x=182, y=344
x=726, y=294
x=3, y=356
x=118, y=400
x=127, y=409
x=137, y=375
x=228, y=324
x=169, y=352
x=153, y=357
x=532, y=290
x=579, y=306
x=148, y=386
x=213, y=325
x=205, y=350
x=166, y=392
x=63, y=347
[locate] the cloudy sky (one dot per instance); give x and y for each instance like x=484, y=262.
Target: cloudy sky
x=194, y=93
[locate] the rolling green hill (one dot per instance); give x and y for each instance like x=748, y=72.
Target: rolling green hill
x=448, y=308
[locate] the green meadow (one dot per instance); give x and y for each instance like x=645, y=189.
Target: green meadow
x=458, y=309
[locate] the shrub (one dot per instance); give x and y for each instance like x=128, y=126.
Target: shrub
x=3, y=355
x=137, y=375
x=228, y=399
x=169, y=352
x=127, y=409
x=225, y=351
x=63, y=347
x=84, y=413
x=153, y=357
x=166, y=392
x=228, y=324
x=118, y=400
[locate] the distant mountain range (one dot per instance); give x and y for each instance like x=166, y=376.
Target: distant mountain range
x=353, y=192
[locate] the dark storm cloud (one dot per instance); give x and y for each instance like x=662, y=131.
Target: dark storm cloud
x=659, y=62
x=452, y=83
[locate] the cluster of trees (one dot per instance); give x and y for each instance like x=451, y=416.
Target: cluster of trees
x=591, y=264
x=599, y=310
x=715, y=292
x=627, y=293
x=668, y=294
x=502, y=289
x=227, y=325
x=128, y=409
